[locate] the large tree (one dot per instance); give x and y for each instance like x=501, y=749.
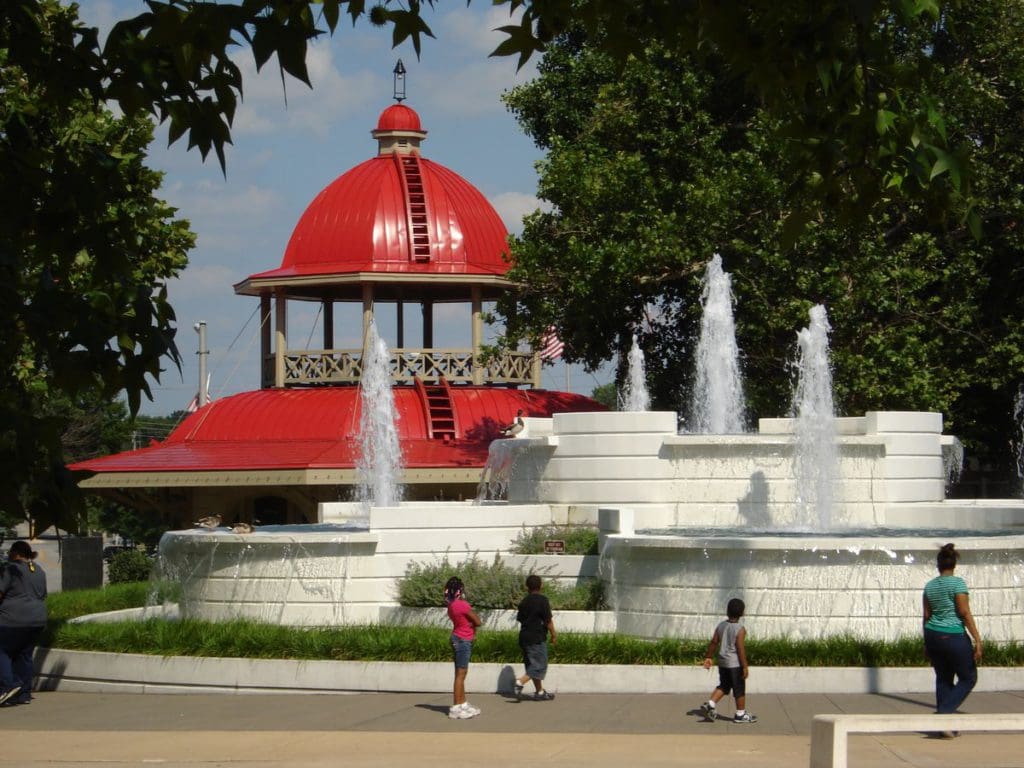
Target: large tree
x=85, y=248
x=653, y=167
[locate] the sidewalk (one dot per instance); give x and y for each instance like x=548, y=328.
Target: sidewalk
x=409, y=729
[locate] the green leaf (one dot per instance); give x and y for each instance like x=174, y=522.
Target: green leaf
x=884, y=121
x=945, y=162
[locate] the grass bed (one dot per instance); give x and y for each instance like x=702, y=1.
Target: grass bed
x=250, y=639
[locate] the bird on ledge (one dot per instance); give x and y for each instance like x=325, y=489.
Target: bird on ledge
x=209, y=522
x=515, y=427
x=243, y=527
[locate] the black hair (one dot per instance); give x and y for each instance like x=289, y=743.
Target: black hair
x=947, y=557
x=453, y=589
x=533, y=582
x=735, y=608
x=22, y=550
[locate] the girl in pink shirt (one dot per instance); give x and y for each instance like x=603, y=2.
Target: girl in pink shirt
x=464, y=624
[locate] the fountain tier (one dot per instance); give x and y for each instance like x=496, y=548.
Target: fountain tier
x=634, y=472
x=803, y=587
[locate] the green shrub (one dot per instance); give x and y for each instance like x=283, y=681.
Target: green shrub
x=130, y=565
x=579, y=539
x=494, y=585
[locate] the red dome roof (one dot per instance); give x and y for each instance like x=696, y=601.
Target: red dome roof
x=396, y=213
x=399, y=117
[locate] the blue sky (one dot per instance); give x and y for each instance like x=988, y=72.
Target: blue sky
x=291, y=142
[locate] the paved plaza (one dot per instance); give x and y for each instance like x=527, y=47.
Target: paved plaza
x=410, y=729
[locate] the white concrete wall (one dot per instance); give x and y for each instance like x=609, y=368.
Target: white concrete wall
x=672, y=480
x=322, y=577
x=804, y=587
x=82, y=671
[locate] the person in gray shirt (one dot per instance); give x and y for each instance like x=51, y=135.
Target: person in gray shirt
x=22, y=620
x=729, y=638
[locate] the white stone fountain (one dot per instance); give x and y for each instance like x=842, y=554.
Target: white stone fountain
x=687, y=521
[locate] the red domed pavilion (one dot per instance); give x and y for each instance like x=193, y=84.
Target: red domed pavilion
x=398, y=230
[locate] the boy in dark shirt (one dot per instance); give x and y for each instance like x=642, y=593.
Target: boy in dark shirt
x=534, y=617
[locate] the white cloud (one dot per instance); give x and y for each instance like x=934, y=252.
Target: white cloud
x=218, y=200
x=223, y=216
x=458, y=75
x=201, y=280
x=270, y=106
x=103, y=15
x=475, y=32
x=513, y=206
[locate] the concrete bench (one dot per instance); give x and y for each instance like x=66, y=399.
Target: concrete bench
x=829, y=732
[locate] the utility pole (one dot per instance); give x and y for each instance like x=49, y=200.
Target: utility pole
x=204, y=396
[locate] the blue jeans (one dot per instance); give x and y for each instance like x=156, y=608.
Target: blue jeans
x=952, y=656
x=462, y=650
x=17, y=645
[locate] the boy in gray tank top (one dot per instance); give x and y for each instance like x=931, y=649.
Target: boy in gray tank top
x=729, y=639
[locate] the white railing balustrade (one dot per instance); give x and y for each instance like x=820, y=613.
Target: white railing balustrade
x=344, y=366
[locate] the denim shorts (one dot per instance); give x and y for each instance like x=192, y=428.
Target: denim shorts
x=535, y=659
x=461, y=650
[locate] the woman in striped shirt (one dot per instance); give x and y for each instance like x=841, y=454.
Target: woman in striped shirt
x=947, y=614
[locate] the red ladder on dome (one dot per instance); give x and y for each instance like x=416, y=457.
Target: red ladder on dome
x=440, y=412
x=415, y=205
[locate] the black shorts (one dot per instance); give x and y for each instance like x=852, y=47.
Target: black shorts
x=730, y=680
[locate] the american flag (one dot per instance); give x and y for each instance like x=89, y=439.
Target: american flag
x=551, y=347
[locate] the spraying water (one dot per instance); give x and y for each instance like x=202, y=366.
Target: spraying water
x=635, y=396
x=380, y=457
x=817, y=454
x=717, y=407
x=1018, y=444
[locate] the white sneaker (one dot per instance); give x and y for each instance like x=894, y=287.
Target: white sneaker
x=10, y=693
x=463, y=711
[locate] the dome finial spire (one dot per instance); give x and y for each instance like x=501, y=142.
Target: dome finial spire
x=399, y=73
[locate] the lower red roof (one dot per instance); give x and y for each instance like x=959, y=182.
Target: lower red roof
x=318, y=428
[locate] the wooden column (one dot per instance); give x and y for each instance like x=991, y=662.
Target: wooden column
x=428, y=324
x=367, y=312
x=328, y=312
x=478, y=334
x=280, y=335
x=399, y=323
x=266, y=371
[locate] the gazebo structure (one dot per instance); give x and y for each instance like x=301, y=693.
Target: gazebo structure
x=397, y=229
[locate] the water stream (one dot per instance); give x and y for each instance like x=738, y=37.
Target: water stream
x=717, y=406
x=380, y=457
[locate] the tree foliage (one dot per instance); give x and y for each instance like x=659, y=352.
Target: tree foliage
x=85, y=249
x=846, y=84
x=653, y=166
x=850, y=97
